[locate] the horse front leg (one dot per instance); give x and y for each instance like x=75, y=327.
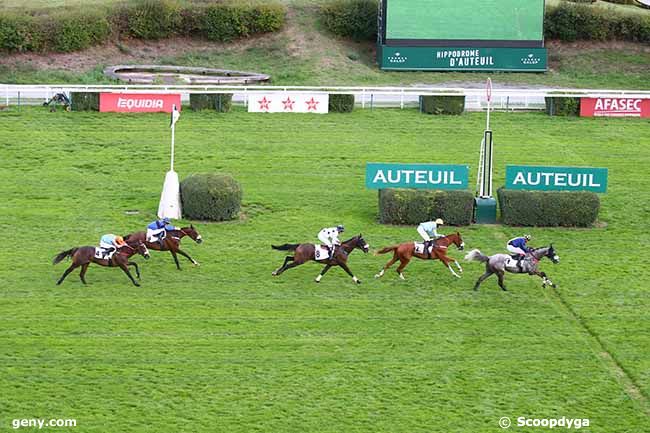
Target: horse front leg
x=344, y=266
x=446, y=260
x=137, y=270
x=184, y=254
x=323, y=272
x=545, y=279
x=125, y=268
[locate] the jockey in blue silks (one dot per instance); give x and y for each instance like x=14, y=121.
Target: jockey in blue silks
x=518, y=247
x=156, y=230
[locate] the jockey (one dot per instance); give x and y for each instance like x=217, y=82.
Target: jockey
x=156, y=230
x=109, y=243
x=330, y=237
x=429, y=230
x=518, y=247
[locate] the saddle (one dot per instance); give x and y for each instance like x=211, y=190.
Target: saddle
x=321, y=252
x=102, y=254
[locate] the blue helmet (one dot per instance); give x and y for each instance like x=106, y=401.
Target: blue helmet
x=340, y=228
x=166, y=220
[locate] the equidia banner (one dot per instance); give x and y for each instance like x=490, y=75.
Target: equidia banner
x=288, y=103
x=614, y=107
x=138, y=102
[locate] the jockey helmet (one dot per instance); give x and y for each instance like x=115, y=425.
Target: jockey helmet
x=119, y=240
x=527, y=237
x=340, y=228
x=439, y=221
x=166, y=220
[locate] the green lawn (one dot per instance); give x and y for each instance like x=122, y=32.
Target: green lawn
x=225, y=347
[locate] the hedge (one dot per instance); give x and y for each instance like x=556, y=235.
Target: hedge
x=70, y=29
x=341, y=103
x=84, y=101
x=222, y=102
x=548, y=208
x=562, y=106
x=213, y=197
x=412, y=206
x=570, y=22
x=356, y=19
x=442, y=104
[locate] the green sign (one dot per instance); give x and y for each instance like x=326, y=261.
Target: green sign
x=425, y=176
x=463, y=59
x=556, y=178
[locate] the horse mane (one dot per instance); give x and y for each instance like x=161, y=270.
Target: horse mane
x=353, y=238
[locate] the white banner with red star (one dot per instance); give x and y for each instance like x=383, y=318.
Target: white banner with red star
x=288, y=103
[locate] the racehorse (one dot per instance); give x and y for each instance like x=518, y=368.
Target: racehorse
x=306, y=252
x=83, y=256
x=171, y=243
x=501, y=263
x=406, y=251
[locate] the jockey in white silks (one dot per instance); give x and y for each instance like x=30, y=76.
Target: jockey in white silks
x=330, y=237
x=429, y=232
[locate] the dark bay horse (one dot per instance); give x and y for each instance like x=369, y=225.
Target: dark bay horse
x=406, y=251
x=501, y=263
x=171, y=243
x=83, y=256
x=306, y=252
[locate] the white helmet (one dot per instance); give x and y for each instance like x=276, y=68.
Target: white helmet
x=439, y=221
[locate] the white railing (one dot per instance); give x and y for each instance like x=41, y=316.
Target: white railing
x=366, y=97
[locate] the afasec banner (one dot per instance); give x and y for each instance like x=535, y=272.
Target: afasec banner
x=138, y=102
x=614, y=107
x=288, y=103
x=426, y=176
x=556, y=178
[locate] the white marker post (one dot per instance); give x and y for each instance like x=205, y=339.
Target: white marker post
x=170, y=199
x=485, y=205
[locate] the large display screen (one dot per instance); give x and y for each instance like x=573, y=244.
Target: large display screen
x=464, y=20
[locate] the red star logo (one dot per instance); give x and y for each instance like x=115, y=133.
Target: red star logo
x=264, y=103
x=312, y=104
x=288, y=104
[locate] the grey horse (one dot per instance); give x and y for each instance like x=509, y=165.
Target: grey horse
x=501, y=263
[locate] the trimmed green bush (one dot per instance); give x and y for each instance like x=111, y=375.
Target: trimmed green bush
x=18, y=33
x=548, y=208
x=213, y=197
x=442, y=104
x=221, y=102
x=224, y=22
x=570, y=22
x=412, y=206
x=72, y=31
x=562, y=106
x=341, y=103
x=356, y=19
x=84, y=101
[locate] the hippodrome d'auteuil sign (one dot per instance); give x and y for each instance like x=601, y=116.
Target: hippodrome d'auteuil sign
x=556, y=178
x=424, y=176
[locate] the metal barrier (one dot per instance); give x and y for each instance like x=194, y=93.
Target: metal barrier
x=366, y=97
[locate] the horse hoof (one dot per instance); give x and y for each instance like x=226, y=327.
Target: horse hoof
x=137, y=284
x=377, y=276
x=197, y=264
x=358, y=281
x=274, y=274
x=317, y=281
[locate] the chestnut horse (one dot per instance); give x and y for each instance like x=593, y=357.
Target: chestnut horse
x=83, y=256
x=406, y=251
x=306, y=252
x=171, y=243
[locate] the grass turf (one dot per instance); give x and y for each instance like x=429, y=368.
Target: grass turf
x=226, y=347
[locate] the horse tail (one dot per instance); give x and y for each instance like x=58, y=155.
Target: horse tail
x=476, y=255
x=387, y=249
x=285, y=247
x=63, y=254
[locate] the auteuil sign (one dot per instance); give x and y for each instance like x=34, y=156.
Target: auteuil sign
x=556, y=178
x=424, y=176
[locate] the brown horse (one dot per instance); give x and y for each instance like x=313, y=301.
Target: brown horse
x=171, y=243
x=406, y=251
x=306, y=252
x=83, y=256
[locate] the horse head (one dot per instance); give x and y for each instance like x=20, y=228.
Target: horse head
x=551, y=254
x=192, y=233
x=458, y=241
x=142, y=249
x=360, y=243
